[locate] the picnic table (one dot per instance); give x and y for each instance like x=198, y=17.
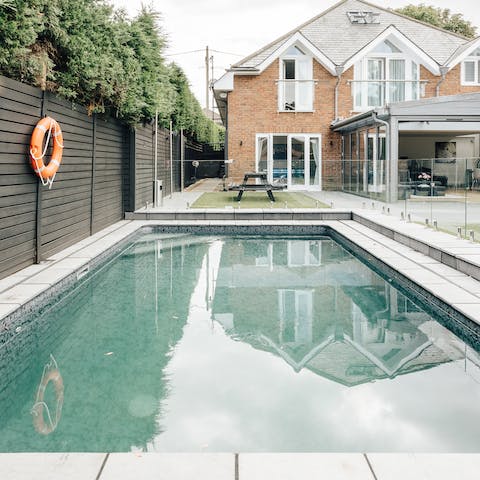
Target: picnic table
x=264, y=185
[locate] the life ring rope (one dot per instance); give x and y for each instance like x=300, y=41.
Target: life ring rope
x=36, y=145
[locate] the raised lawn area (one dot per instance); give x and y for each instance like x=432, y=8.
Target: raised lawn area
x=257, y=200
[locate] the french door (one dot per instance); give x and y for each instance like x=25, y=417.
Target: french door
x=290, y=159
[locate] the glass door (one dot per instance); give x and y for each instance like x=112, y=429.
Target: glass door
x=297, y=159
x=293, y=160
x=262, y=153
x=314, y=164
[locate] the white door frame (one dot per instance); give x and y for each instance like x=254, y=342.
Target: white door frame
x=306, y=136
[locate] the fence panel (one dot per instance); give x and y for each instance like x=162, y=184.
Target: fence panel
x=20, y=108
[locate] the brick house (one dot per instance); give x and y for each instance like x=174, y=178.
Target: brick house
x=355, y=99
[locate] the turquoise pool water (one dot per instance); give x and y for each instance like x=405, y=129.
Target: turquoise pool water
x=191, y=343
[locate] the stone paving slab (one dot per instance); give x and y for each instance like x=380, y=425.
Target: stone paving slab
x=304, y=466
x=50, y=466
x=169, y=466
x=425, y=466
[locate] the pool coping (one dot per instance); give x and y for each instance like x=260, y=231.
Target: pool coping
x=392, y=243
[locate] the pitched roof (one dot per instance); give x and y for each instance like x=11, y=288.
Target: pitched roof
x=323, y=32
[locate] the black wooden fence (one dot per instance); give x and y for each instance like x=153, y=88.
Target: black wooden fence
x=106, y=169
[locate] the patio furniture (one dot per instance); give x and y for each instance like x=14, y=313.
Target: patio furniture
x=262, y=185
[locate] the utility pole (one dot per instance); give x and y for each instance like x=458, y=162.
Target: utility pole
x=213, y=99
x=207, y=70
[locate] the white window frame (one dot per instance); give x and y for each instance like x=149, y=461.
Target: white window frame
x=281, y=82
x=361, y=76
x=476, y=60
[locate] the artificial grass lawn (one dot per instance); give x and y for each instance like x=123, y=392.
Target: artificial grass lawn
x=256, y=200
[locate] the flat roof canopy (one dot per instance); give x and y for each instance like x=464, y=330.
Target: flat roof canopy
x=453, y=113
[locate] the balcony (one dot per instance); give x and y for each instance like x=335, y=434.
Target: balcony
x=295, y=95
x=377, y=93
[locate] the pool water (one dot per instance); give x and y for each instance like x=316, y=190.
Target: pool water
x=191, y=343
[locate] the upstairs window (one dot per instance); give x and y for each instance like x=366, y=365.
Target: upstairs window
x=385, y=75
x=295, y=85
x=471, y=69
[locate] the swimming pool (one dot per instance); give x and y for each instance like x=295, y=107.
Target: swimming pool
x=244, y=343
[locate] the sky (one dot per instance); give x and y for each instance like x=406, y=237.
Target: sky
x=234, y=29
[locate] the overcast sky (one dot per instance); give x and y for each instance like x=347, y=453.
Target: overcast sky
x=243, y=26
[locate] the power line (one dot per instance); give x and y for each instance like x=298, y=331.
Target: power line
x=227, y=53
x=184, y=53
x=202, y=50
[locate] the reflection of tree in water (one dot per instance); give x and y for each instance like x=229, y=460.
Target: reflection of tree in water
x=112, y=338
x=319, y=308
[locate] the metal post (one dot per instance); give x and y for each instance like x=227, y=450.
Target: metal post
x=207, y=79
x=155, y=160
x=182, y=159
x=92, y=185
x=213, y=96
x=171, y=159
x=38, y=221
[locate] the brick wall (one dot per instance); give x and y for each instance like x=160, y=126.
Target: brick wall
x=253, y=108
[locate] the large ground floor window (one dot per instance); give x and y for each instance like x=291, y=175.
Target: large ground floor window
x=291, y=159
x=364, y=162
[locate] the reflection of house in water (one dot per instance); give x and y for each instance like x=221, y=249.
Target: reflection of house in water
x=317, y=307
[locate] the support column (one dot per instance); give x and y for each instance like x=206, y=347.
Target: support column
x=392, y=161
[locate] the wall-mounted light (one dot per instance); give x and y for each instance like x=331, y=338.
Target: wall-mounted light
x=241, y=142
x=222, y=95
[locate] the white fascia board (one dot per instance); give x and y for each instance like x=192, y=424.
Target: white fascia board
x=224, y=83
x=456, y=59
x=298, y=38
x=400, y=39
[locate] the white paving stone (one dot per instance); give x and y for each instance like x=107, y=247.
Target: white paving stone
x=72, y=263
x=49, y=276
x=425, y=466
x=6, y=309
x=303, y=466
x=21, y=293
x=424, y=277
x=472, y=310
x=453, y=294
x=445, y=270
x=50, y=466
x=169, y=466
x=10, y=281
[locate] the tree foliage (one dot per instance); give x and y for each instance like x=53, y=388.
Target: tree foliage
x=96, y=56
x=442, y=18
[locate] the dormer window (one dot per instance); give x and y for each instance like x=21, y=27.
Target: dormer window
x=471, y=69
x=295, y=85
x=385, y=75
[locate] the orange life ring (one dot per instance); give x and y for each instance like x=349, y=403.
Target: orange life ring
x=37, y=150
x=38, y=417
